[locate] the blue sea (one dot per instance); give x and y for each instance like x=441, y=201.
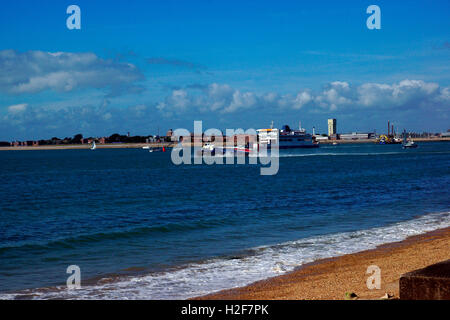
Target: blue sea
x=140, y=227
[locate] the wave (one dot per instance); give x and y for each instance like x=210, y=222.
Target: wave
x=252, y=265
x=72, y=242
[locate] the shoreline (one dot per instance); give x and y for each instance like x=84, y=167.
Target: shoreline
x=374, y=141
x=171, y=144
x=331, y=278
x=316, y=280
x=88, y=146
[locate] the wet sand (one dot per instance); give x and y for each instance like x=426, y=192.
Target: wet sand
x=331, y=278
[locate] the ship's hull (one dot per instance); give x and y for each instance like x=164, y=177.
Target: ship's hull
x=296, y=142
x=410, y=146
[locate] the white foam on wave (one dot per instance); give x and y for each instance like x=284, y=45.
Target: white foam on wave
x=266, y=261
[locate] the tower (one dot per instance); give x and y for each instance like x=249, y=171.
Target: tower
x=331, y=127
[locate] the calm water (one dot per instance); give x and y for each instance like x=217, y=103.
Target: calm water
x=140, y=227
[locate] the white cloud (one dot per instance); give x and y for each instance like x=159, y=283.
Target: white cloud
x=406, y=93
x=17, y=108
x=415, y=101
x=36, y=122
x=36, y=71
x=302, y=99
x=336, y=96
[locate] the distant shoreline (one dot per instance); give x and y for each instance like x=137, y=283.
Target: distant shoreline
x=88, y=146
x=171, y=144
x=375, y=141
x=331, y=278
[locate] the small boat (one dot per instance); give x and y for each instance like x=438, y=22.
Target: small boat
x=94, y=146
x=209, y=149
x=157, y=149
x=407, y=144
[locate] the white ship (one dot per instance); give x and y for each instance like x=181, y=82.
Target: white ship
x=286, y=138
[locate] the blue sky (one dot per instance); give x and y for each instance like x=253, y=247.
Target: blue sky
x=142, y=65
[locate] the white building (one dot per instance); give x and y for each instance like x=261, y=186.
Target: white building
x=357, y=136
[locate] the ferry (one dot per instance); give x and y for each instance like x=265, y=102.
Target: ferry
x=286, y=138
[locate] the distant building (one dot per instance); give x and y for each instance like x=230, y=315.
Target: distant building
x=244, y=139
x=331, y=127
x=213, y=138
x=321, y=138
x=357, y=136
x=170, y=136
x=196, y=138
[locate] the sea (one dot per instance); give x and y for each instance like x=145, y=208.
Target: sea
x=140, y=227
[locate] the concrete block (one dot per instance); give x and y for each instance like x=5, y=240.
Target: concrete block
x=430, y=283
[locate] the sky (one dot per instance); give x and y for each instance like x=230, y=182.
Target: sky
x=148, y=66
